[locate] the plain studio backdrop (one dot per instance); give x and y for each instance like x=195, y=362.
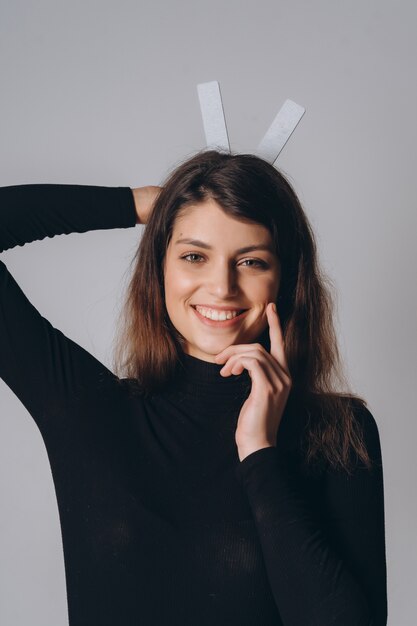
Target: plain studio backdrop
x=104, y=93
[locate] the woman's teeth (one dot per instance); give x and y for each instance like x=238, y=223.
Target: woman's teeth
x=217, y=315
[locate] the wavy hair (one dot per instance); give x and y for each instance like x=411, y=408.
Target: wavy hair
x=147, y=347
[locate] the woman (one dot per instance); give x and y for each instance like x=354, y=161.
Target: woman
x=218, y=478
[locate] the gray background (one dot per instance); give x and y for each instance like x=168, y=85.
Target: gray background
x=105, y=93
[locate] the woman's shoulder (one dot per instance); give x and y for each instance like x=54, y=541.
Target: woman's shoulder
x=317, y=404
x=365, y=434
x=368, y=425
x=341, y=420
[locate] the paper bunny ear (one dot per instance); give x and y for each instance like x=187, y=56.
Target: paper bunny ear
x=213, y=115
x=280, y=131
x=215, y=129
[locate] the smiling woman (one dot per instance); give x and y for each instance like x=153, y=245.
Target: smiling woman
x=219, y=477
x=228, y=231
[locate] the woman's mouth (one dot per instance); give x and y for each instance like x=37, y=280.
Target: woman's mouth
x=220, y=323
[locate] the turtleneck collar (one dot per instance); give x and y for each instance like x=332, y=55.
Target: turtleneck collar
x=196, y=377
x=200, y=377
x=198, y=387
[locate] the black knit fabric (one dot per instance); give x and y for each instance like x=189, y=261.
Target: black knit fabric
x=162, y=524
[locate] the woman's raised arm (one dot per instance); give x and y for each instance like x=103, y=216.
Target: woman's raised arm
x=45, y=369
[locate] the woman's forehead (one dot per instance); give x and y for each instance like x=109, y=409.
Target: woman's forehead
x=208, y=220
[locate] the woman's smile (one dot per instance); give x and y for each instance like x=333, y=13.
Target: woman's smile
x=222, y=323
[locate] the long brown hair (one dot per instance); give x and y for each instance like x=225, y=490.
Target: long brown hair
x=147, y=346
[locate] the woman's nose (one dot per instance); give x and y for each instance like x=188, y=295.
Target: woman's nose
x=223, y=281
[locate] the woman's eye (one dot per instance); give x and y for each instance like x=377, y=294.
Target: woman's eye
x=191, y=254
x=256, y=262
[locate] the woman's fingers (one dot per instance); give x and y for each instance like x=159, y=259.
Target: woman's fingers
x=145, y=198
x=276, y=337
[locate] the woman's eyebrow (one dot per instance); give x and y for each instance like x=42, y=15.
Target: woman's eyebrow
x=202, y=244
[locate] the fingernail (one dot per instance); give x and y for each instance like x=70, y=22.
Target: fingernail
x=274, y=307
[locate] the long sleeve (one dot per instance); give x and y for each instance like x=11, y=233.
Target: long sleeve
x=326, y=565
x=43, y=367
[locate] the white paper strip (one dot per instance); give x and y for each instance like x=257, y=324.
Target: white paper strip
x=213, y=115
x=280, y=131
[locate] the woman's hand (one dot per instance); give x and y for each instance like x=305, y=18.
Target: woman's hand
x=144, y=200
x=260, y=415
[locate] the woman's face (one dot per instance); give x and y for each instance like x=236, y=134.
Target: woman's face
x=218, y=274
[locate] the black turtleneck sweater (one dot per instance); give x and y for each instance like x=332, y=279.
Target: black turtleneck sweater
x=162, y=524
